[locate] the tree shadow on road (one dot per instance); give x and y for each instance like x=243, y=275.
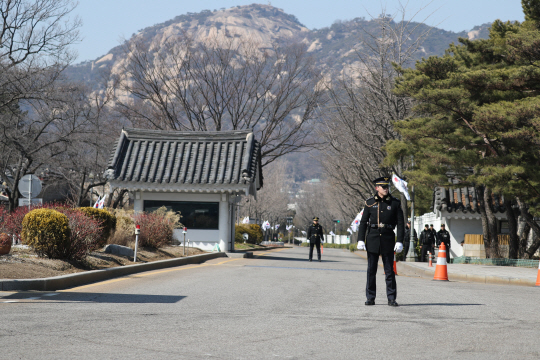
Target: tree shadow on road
x=105, y=298
x=442, y=304
x=291, y=258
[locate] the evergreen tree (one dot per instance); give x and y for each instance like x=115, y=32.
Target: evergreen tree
x=478, y=120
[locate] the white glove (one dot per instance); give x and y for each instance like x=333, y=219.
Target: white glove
x=361, y=245
x=398, y=248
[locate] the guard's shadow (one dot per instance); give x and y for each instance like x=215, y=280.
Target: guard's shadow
x=104, y=298
x=441, y=304
x=292, y=259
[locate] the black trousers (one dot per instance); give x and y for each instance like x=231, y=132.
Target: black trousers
x=447, y=253
x=390, y=277
x=405, y=250
x=318, y=245
x=425, y=249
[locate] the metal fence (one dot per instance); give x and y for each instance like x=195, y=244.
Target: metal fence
x=496, y=262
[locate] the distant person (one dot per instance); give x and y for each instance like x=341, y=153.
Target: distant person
x=407, y=240
x=315, y=238
x=427, y=242
x=443, y=236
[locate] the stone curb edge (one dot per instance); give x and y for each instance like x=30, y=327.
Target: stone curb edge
x=72, y=280
x=407, y=269
x=410, y=270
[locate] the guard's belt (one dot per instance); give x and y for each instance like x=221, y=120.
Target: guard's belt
x=384, y=226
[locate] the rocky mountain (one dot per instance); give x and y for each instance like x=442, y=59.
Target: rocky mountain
x=332, y=46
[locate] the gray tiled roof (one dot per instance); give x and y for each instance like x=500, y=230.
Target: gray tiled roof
x=462, y=199
x=174, y=157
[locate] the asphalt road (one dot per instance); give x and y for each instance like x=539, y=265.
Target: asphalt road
x=274, y=306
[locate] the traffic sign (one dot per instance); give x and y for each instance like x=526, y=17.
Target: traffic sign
x=25, y=202
x=29, y=186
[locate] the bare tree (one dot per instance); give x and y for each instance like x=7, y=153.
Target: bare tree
x=34, y=46
x=360, y=115
x=223, y=84
x=272, y=199
x=34, y=50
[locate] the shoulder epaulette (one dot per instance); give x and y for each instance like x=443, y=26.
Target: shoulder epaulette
x=370, y=199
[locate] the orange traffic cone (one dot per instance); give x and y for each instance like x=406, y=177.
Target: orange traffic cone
x=395, y=268
x=429, y=257
x=538, y=276
x=322, y=248
x=441, y=272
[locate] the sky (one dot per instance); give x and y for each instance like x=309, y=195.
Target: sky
x=107, y=22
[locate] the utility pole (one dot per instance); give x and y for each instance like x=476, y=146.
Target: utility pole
x=411, y=255
x=336, y=221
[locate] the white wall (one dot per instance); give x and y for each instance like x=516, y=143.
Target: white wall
x=337, y=239
x=456, y=227
x=203, y=239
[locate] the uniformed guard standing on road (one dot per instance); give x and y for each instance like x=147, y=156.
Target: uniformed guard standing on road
x=444, y=236
x=315, y=237
x=382, y=214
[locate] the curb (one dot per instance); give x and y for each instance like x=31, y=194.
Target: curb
x=482, y=279
x=410, y=270
x=72, y=280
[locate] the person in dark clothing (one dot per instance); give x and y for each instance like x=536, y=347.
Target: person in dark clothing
x=443, y=236
x=407, y=239
x=315, y=237
x=381, y=215
x=427, y=242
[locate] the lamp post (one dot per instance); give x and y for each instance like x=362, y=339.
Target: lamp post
x=411, y=257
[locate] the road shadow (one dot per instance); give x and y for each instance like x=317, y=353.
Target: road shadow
x=279, y=258
x=103, y=298
x=441, y=304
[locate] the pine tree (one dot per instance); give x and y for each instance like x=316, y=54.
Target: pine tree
x=478, y=120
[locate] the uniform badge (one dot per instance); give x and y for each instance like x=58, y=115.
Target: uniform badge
x=389, y=208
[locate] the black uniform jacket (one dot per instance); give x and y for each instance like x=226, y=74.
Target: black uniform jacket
x=443, y=236
x=315, y=233
x=388, y=213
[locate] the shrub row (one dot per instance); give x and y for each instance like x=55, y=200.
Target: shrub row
x=255, y=234
x=62, y=232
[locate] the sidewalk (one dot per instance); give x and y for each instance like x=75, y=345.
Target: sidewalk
x=485, y=274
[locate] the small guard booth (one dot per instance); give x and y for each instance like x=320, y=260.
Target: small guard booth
x=199, y=174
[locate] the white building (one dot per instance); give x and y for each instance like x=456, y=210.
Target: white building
x=199, y=174
x=457, y=208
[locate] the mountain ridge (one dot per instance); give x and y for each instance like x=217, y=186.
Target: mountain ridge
x=333, y=46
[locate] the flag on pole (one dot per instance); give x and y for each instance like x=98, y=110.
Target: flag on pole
x=288, y=227
x=265, y=225
x=245, y=220
x=401, y=185
x=303, y=232
x=96, y=205
x=356, y=222
x=332, y=233
x=277, y=226
x=349, y=231
x=102, y=202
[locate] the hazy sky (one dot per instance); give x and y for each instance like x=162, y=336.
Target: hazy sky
x=107, y=22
